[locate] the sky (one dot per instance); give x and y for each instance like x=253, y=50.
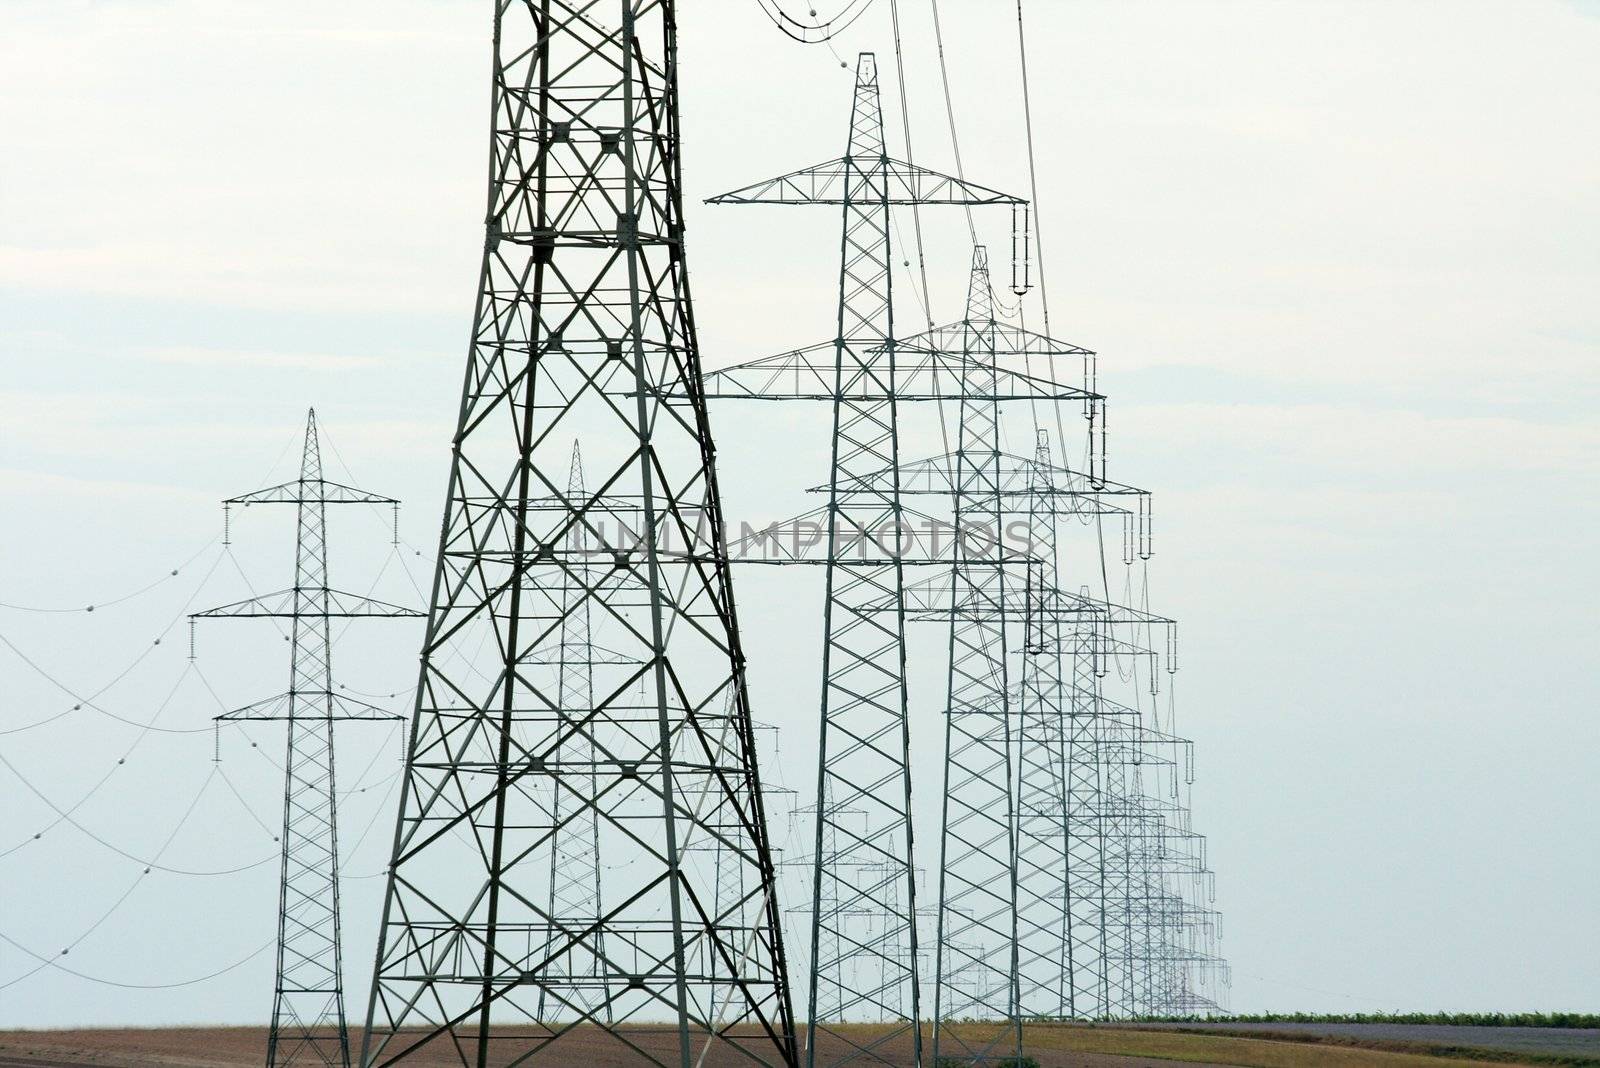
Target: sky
x=1339, y=260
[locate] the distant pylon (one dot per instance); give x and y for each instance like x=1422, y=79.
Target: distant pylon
x=575, y=896
x=1048, y=936
x=863, y=930
x=583, y=330
x=308, y=1016
x=977, y=955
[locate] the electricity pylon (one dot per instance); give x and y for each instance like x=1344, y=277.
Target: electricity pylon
x=575, y=880
x=308, y=1016
x=863, y=930
x=583, y=330
x=1041, y=891
x=976, y=959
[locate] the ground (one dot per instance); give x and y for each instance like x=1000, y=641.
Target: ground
x=1053, y=1046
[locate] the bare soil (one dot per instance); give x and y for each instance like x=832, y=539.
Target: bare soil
x=1555, y=1041
x=245, y=1047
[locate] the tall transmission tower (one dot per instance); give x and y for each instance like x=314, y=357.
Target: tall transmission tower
x=1002, y=933
x=308, y=1015
x=583, y=330
x=1086, y=873
x=976, y=971
x=863, y=930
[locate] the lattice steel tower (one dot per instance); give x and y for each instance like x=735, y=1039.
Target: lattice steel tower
x=308, y=1017
x=976, y=959
x=863, y=930
x=583, y=330
x=575, y=866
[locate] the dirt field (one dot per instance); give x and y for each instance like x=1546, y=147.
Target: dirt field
x=1158, y=1045
x=1556, y=1041
x=237, y=1047
x=1052, y=1046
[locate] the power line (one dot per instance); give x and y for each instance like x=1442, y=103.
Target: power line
x=50, y=962
x=818, y=30
x=113, y=602
x=1033, y=174
x=89, y=701
x=66, y=816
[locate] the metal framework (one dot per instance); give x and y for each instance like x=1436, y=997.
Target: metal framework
x=576, y=899
x=308, y=1014
x=583, y=331
x=976, y=960
x=1063, y=890
x=863, y=932
x=1103, y=911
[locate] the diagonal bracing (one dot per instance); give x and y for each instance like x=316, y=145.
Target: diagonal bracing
x=583, y=331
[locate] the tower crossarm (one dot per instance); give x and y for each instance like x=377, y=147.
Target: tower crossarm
x=883, y=373
x=941, y=475
x=932, y=599
x=308, y=704
x=1008, y=340
x=904, y=184
x=290, y=603
x=311, y=491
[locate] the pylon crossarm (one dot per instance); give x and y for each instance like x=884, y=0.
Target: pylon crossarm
x=881, y=373
x=311, y=491
x=904, y=185
x=291, y=603
x=937, y=597
x=309, y=704
x=943, y=475
x=1003, y=339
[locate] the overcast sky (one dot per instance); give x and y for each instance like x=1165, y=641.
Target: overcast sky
x=1340, y=260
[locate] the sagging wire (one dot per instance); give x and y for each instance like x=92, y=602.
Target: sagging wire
x=149, y=863
x=50, y=962
x=911, y=159
x=89, y=701
x=95, y=789
x=113, y=602
x=950, y=114
x=54, y=962
x=381, y=810
x=1033, y=173
x=818, y=30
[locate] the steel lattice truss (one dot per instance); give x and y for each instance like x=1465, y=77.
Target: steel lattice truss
x=864, y=958
x=976, y=959
x=308, y=1014
x=582, y=692
x=583, y=332
x=1068, y=883
x=575, y=879
x=1104, y=902
x=1048, y=875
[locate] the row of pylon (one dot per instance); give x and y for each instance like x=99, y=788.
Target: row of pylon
x=582, y=858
